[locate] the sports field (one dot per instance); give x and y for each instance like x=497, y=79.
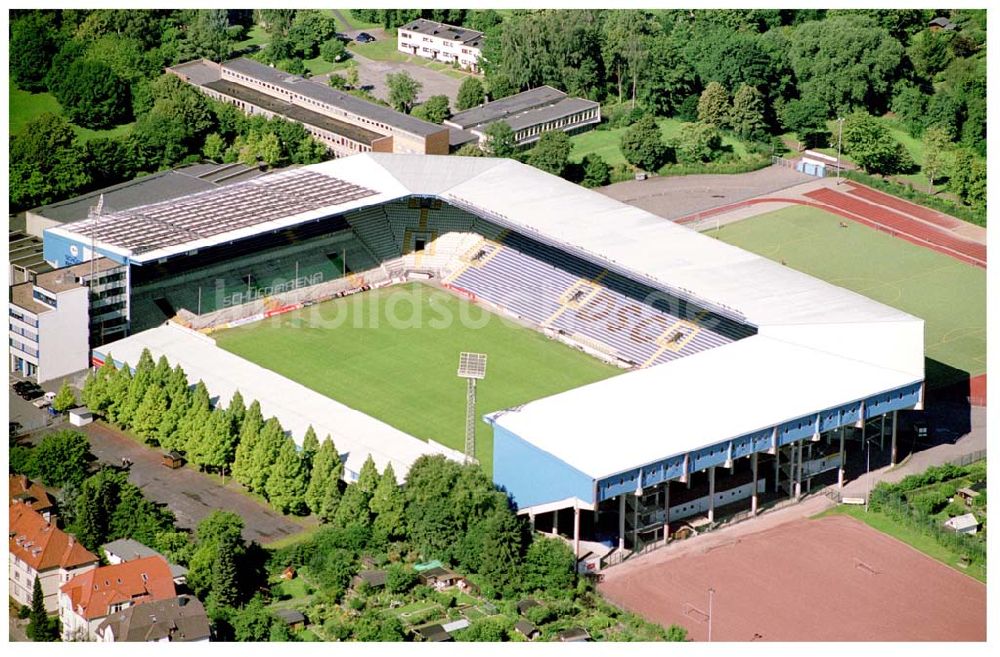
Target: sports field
x=393, y=354
x=949, y=295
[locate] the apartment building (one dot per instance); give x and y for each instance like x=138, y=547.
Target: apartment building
x=54, y=320
x=441, y=42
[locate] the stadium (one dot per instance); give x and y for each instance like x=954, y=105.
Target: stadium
x=639, y=373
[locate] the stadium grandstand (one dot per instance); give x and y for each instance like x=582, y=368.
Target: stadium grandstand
x=744, y=376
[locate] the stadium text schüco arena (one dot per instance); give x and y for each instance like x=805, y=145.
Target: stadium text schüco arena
x=638, y=374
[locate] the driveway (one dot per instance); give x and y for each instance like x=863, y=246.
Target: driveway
x=190, y=494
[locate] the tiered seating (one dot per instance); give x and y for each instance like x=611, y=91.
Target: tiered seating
x=448, y=219
x=604, y=310
x=402, y=218
x=372, y=227
x=523, y=285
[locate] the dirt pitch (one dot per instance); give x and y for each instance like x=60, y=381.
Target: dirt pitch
x=829, y=579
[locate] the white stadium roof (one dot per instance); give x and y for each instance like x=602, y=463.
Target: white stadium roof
x=296, y=406
x=818, y=345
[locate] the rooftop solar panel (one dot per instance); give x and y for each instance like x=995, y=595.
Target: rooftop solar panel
x=216, y=211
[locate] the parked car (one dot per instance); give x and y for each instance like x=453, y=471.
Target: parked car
x=21, y=386
x=41, y=403
x=31, y=393
x=364, y=37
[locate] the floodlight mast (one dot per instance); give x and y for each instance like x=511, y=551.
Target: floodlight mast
x=471, y=367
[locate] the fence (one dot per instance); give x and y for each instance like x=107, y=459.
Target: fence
x=966, y=459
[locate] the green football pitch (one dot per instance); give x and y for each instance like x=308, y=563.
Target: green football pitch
x=393, y=353
x=949, y=295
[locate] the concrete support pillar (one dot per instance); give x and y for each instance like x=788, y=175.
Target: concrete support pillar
x=777, y=470
x=531, y=521
x=843, y=458
x=555, y=522
x=753, y=495
x=895, y=452
x=621, y=522
x=797, y=469
x=711, y=494
x=576, y=531
x=666, y=510
x=809, y=480
x=881, y=435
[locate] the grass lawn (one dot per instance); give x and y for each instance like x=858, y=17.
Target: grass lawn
x=308, y=636
x=913, y=538
x=26, y=106
x=256, y=36
x=364, y=352
x=383, y=50
x=288, y=541
x=295, y=588
x=605, y=142
x=949, y=295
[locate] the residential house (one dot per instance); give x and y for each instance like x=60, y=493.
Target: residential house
x=31, y=493
x=126, y=549
x=88, y=599
x=180, y=619
x=37, y=548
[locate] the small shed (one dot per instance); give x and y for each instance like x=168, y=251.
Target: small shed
x=963, y=524
x=79, y=417
x=440, y=578
x=373, y=578
x=288, y=573
x=173, y=459
x=434, y=633
x=967, y=495
x=941, y=23
x=293, y=618
x=574, y=634
x=524, y=605
x=527, y=630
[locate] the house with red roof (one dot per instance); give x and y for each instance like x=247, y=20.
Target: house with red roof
x=37, y=548
x=88, y=599
x=31, y=492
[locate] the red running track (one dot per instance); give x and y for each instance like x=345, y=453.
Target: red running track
x=903, y=225
x=912, y=209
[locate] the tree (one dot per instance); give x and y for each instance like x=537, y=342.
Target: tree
x=747, y=114
x=551, y=153
x=265, y=453
x=930, y=52
x=624, y=48
x=500, y=140
x=287, y=482
x=596, y=172
x=471, y=149
x=250, y=429
x=697, y=142
x=40, y=628
x=484, y=630
x=208, y=35
x=714, y=107
x=333, y=50
x=337, y=81
x=46, y=163
x=807, y=119
x=225, y=571
x=325, y=473
x=549, y=565
x=93, y=96
x=501, y=537
x=372, y=626
x=309, y=29
x=310, y=445
x=399, y=578
x=146, y=422
x=179, y=400
x=435, y=109
x=214, y=148
x=65, y=399
x=872, y=146
x=62, y=457
x=388, y=507
x=194, y=424
x=217, y=532
x=354, y=507
x=142, y=376
x=33, y=43
x=845, y=63
x=642, y=145
x=253, y=621
x=668, y=79
x=352, y=77
x=470, y=94
x=219, y=442
x=403, y=90
x=935, y=144
x=967, y=178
